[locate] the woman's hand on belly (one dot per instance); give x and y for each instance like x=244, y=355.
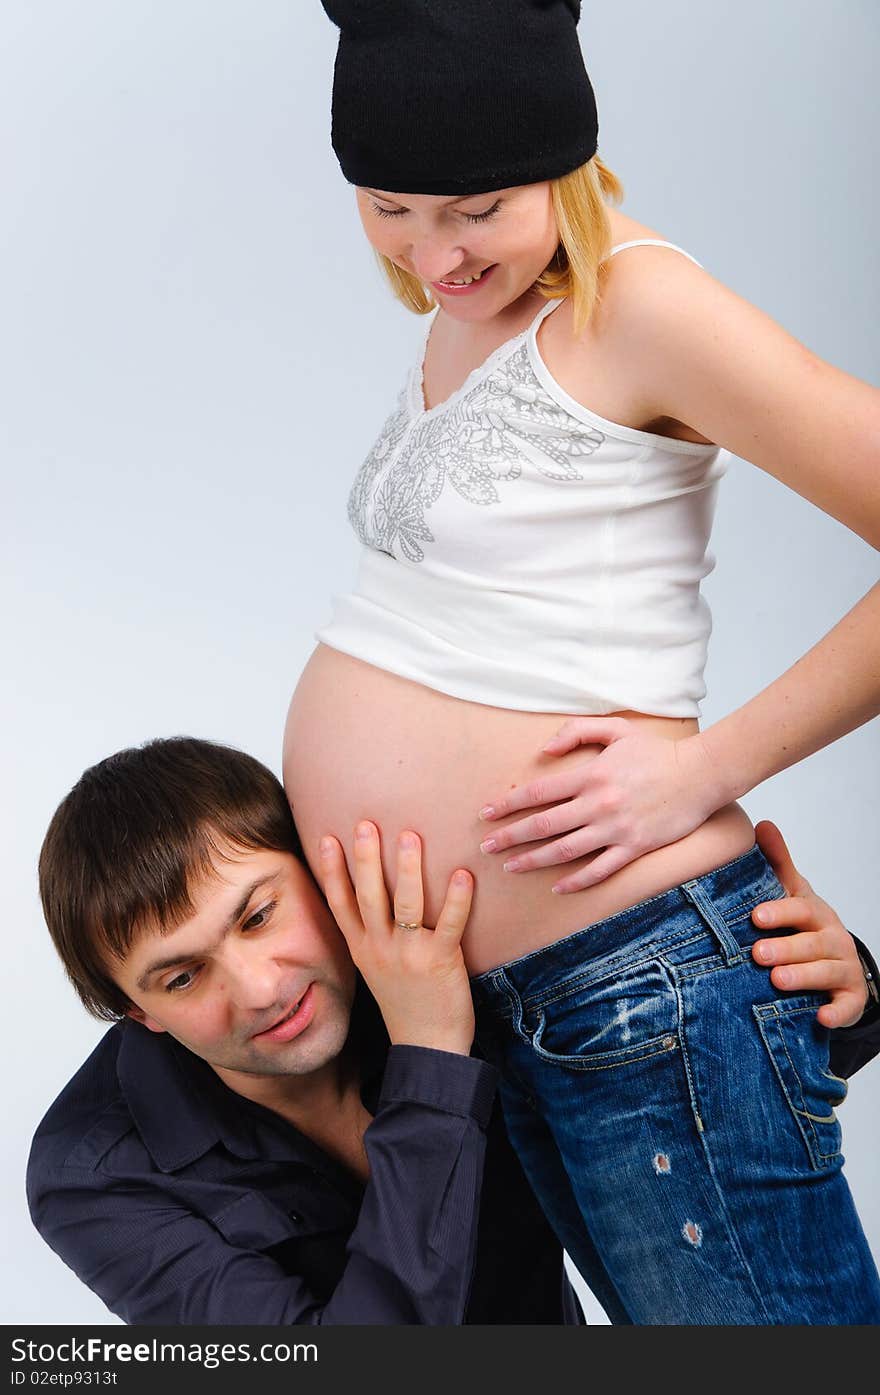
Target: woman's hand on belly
x=640, y=793
x=416, y=974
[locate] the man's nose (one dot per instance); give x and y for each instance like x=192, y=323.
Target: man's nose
x=252, y=978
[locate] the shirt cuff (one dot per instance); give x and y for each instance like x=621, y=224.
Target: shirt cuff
x=442, y=1080
x=853, y=1047
x=872, y=1007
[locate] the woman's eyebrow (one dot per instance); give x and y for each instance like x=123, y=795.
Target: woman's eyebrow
x=458, y=198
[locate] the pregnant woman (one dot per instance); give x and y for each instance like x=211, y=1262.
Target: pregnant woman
x=535, y=517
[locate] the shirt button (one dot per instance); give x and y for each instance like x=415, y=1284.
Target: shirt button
x=295, y=1216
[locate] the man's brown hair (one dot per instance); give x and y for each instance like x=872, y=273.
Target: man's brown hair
x=133, y=837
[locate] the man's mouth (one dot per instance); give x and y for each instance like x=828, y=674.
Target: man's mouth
x=286, y=1017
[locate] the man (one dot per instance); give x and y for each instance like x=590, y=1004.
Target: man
x=250, y=1143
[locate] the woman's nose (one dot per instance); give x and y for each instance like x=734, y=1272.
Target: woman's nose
x=435, y=258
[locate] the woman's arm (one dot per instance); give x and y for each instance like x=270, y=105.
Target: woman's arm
x=728, y=370
x=705, y=357
x=832, y=690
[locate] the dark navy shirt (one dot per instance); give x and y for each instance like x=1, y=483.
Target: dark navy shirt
x=177, y=1200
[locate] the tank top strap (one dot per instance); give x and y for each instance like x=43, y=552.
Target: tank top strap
x=529, y=332
x=427, y=321
x=546, y=309
x=651, y=242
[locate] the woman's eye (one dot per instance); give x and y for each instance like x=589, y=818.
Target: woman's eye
x=481, y=217
x=471, y=217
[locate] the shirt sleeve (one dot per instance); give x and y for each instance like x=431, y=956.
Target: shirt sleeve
x=410, y=1255
x=853, y=1047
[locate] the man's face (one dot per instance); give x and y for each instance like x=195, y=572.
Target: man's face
x=261, y=942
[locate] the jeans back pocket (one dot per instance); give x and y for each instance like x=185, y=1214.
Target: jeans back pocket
x=798, y=1046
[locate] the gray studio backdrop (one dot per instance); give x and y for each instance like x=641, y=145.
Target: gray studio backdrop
x=196, y=350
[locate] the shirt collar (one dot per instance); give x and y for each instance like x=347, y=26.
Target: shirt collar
x=181, y=1108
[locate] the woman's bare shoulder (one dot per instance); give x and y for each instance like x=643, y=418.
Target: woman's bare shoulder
x=629, y=276
x=634, y=294
x=626, y=229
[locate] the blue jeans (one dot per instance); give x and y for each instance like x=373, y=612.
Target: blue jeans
x=675, y=1114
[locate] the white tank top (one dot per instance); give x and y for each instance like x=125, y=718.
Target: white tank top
x=521, y=551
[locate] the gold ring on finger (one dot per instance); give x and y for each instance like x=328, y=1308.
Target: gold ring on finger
x=409, y=924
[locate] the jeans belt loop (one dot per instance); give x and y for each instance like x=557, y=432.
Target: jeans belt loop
x=502, y=983
x=731, y=950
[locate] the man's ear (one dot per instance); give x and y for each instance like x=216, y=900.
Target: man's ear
x=138, y=1015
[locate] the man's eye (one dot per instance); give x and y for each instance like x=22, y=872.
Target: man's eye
x=181, y=981
x=260, y=917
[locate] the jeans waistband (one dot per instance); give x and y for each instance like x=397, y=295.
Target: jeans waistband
x=721, y=898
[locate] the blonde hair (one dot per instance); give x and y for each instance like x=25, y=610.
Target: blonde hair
x=580, y=201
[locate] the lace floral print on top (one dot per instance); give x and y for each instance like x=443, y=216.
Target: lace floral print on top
x=478, y=438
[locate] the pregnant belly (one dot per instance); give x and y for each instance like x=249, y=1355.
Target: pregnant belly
x=364, y=743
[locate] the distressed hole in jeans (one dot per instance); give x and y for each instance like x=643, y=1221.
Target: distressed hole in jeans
x=662, y=1164
x=692, y=1233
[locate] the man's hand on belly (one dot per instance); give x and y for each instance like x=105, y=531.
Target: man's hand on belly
x=416, y=974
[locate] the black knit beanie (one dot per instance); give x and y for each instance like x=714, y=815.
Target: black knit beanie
x=459, y=96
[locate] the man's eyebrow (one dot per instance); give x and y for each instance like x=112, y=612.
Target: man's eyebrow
x=170, y=961
x=459, y=198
